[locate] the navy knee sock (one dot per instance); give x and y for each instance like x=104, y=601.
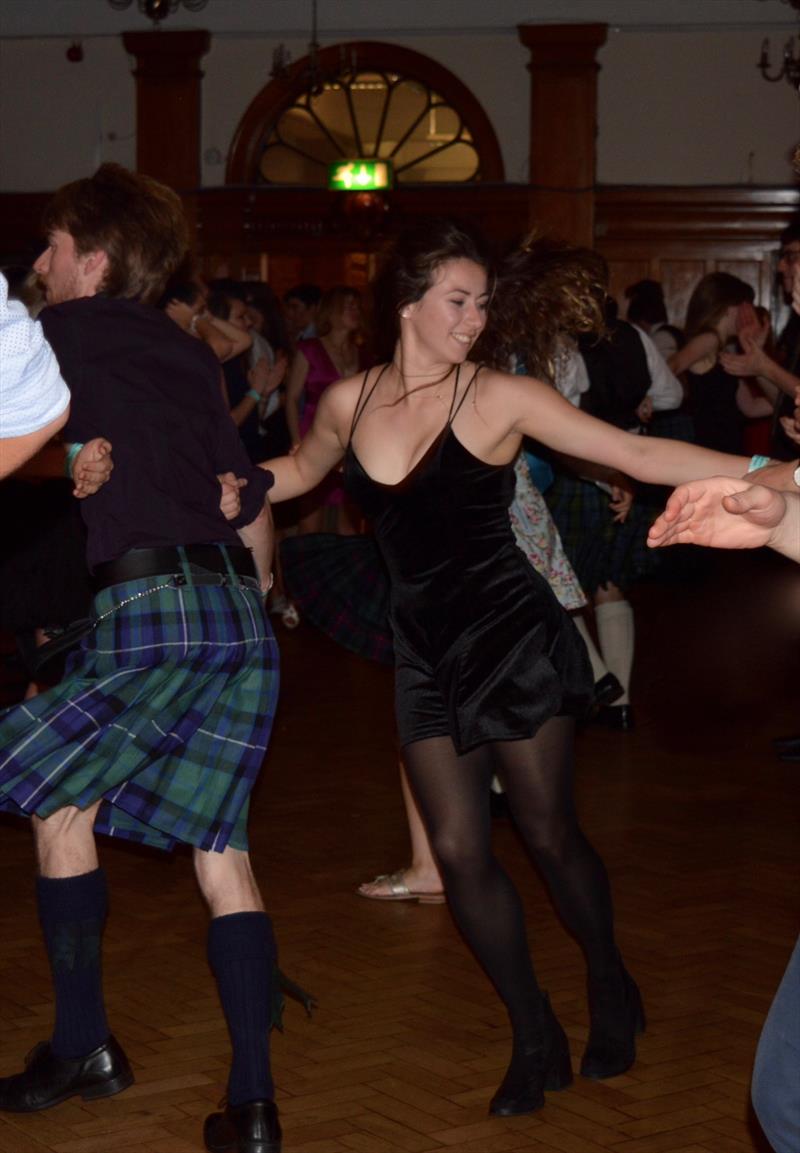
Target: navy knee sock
x=242, y=954
x=72, y=912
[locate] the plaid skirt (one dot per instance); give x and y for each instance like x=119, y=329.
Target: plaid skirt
x=599, y=549
x=164, y=715
x=341, y=586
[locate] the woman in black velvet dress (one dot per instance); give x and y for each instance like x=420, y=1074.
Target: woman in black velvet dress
x=490, y=670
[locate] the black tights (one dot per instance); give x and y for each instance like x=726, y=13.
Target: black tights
x=453, y=797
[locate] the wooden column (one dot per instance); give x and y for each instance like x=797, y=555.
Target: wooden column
x=563, y=128
x=168, y=94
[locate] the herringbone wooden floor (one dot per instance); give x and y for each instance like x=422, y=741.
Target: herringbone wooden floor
x=698, y=823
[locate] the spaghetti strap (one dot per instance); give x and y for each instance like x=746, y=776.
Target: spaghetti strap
x=359, y=408
x=455, y=409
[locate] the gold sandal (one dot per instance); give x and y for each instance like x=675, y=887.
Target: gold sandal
x=399, y=890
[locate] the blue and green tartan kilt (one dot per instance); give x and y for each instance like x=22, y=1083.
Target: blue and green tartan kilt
x=164, y=713
x=599, y=549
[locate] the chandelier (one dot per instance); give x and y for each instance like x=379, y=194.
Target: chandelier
x=158, y=10
x=790, y=68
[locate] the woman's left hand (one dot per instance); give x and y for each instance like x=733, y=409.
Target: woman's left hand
x=92, y=467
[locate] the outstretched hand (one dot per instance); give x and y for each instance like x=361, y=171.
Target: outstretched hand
x=719, y=513
x=92, y=467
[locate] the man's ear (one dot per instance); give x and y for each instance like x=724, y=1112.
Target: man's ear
x=95, y=265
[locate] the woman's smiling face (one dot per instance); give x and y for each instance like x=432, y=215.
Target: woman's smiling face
x=450, y=317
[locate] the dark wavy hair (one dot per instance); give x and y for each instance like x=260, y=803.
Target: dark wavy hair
x=546, y=290
x=136, y=221
x=410, y=266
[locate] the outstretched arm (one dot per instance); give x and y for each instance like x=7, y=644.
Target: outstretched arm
x=720, y=513
x=295, y=383
x=538, y=411
x=320, y=450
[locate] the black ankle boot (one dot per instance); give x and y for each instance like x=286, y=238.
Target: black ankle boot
x=540, y=1065
x=617, y=1016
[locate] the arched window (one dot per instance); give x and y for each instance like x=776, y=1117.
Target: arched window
x=366, y=100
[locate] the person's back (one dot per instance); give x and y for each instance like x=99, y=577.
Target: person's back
x=155, y=391
x=618, y=375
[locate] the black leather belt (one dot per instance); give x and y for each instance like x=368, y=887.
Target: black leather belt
x=148, y=562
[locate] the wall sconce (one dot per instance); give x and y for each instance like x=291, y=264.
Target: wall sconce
x=790, y=68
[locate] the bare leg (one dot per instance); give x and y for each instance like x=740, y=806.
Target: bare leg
x=65, y=845
x=227, y=883
x=422, y=875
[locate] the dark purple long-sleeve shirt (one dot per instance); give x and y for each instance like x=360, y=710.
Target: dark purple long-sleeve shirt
x=137, y=379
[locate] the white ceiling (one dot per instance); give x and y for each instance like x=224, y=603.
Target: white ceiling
x=372, y=18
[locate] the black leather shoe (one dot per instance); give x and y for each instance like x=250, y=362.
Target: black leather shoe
x=617, y=717
x=607, y=690
x=545, y=1064
x=617, y=1016
x=250, y=1128
x=48, y=1079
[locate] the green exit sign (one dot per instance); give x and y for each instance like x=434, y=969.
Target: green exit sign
x=359, y=175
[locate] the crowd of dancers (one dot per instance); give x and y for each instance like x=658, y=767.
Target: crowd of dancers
x=161, y=722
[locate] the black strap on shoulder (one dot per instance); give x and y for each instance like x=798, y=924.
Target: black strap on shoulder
x=454, y=411
x=363, y=400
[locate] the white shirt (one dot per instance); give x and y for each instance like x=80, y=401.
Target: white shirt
x=665, y=390
x=664, y=340
x=32, y=393
x=571, y=377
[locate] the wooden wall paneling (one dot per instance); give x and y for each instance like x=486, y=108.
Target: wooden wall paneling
x=686, y=232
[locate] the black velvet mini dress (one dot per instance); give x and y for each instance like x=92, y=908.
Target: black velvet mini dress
x=483, y=650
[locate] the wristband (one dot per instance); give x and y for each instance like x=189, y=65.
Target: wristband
x=69, y=460
x=254, y=394
x=757, y=462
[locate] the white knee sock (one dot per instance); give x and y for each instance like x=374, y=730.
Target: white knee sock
x=599, y=669
x=615, y=633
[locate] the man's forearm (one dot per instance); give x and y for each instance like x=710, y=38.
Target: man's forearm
x=16, y=450
x=258, y=536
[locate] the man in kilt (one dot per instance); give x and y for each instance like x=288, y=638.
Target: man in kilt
x=160, y=726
